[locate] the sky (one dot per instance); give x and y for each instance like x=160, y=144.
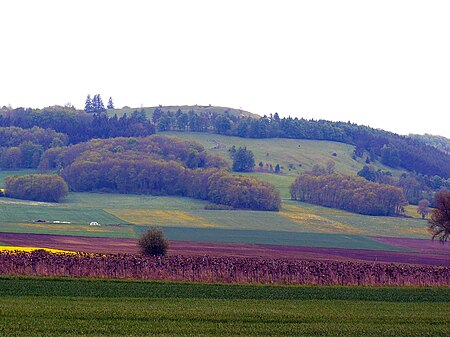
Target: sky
x=380, y=63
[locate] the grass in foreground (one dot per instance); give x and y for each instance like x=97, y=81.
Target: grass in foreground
x=46, y=307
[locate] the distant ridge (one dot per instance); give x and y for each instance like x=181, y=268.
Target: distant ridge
x=185, y=108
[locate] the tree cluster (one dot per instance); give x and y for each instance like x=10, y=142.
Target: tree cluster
x=415, y=186
x=22, y=148
x=243, y=192
x=95, y=105
x=349, y=193
x=188, y=154
x=77, y=125
x=157, y=165
x=38, y=187
x=243, y=159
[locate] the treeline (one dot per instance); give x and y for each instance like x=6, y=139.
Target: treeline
x=39, y=187
x=79, y=126
x=158, y=177
x=353, y=194
x=157, y=165
x=22, y=148
x=415, y=186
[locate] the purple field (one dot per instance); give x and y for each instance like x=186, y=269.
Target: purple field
x=424, y=252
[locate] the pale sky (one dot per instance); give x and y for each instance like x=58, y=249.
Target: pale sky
x=380, y=63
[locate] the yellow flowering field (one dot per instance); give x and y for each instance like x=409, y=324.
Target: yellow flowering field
x=159, y=217
x=316, y=223
x=30, y=249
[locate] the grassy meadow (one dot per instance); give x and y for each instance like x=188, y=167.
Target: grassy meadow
x=58, y=307
x=294, y=155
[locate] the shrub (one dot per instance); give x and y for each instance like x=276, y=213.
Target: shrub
x=153, y=243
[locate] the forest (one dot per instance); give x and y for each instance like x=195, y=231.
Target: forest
x=157, y=165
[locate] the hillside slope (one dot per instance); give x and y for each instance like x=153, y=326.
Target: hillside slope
x=293, y=155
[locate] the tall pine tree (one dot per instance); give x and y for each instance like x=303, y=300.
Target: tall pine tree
x=110, y=103
x=88, y=107
x=97, y=104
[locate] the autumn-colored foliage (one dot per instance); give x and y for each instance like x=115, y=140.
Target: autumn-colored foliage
x=243, y=192
x=158, y=165
x=349, y=193
x=38, y=187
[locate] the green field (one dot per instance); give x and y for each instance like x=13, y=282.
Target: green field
x=186, y=219
x=46, y=307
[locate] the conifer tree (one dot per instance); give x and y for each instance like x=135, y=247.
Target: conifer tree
x=110, y=103
x=97, y=104
x=88, y=107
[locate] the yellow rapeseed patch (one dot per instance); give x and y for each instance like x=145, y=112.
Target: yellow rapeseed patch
x=30, y=249
x=317, y=223
x=159, y=217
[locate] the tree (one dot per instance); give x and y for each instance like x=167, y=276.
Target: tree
x=243, y=160
x=439, y=223
x=423, y=208
x=153, y=243
x=88, y=107
x=260, y=165
x=97, y=104
x=110, y=103
x=277, y=168
x=222, y=125
x=368, y=173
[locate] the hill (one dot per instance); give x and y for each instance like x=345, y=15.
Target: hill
x=309, y=143
x=184, y=108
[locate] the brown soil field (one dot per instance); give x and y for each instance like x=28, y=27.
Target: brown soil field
x=426, y=252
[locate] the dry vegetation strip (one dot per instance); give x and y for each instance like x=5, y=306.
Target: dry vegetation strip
x=221, y=269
